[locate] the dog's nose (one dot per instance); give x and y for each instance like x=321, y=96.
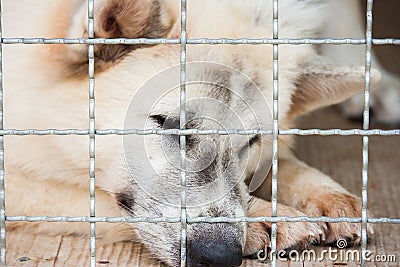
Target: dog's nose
x=213, y=253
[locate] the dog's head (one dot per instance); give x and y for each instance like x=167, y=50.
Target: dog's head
x=216, y=165
x=228, y=87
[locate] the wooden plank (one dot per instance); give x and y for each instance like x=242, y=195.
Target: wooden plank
x=40, y=250
x=32, y=250
x=124, y=254
x=73, y=252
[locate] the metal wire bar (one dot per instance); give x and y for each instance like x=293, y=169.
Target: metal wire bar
x=2, y=186
x=183, y=219
x=92, y=135
x=197, y=219
x=202, y=41
x=182, y=138
x=275, y=111
x=291, y=219
x=365, y=149
x=327, y=132
x=340, y=132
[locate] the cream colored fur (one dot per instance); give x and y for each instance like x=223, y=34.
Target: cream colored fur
x=49, y=175
x=385, y=100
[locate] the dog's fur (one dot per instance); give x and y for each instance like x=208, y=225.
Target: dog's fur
x=46, y=87
x=385, y=99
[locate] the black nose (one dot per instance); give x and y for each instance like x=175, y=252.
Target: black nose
x=214, y=253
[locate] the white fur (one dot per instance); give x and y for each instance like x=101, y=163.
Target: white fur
x=345, y=20
x=49, y=175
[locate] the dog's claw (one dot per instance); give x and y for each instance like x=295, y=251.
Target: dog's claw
x=370, y=229
x=290, y=235
x=324, y=231
x=336, y=205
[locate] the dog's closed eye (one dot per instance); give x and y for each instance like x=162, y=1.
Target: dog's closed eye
x=170, y=122
x=165, y=122
x=254, y=139
x=251, y=140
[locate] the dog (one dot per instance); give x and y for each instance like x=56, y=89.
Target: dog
x=137, y=87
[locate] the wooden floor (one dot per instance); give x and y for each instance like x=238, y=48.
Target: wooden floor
x=337, y=156
x=44, y=251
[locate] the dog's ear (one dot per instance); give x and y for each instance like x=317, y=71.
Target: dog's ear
x=123, y=19
x=116, y=19
x=131, y=19
x=319, y=85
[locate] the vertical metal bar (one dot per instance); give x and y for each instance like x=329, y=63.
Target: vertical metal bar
x=92, y=134
x=365, y=151
x=2, y=187
x=274, y=197
x=182, y=138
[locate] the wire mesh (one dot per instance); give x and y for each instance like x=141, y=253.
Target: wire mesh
x=203, y=41
x=197, y=219
x=182, y=138
x=365, y=151
x=194, y=131
x=2, y=188
x=275, y=133
x=91, y=132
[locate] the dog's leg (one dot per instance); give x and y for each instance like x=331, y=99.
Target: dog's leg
x=316, y=194
x=290, y=235
x=385, y=98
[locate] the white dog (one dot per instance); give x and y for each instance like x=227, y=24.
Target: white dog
x=229, y=87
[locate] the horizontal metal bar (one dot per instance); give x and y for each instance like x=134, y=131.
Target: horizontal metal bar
x=200, y=41
x=45, y=132
x=196, y=220
x=347, y=132
x=183, y=132
x=340, y=132
x=291, y=219
x=280, y=41
x=91, y=219
x=386, y=41
x=116, y=41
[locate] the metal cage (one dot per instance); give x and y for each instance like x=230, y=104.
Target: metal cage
x=184, y=220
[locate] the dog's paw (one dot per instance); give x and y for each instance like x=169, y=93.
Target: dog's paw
x=334, y=205
x=290, y=235
x=385, y=102
x=353, y=107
